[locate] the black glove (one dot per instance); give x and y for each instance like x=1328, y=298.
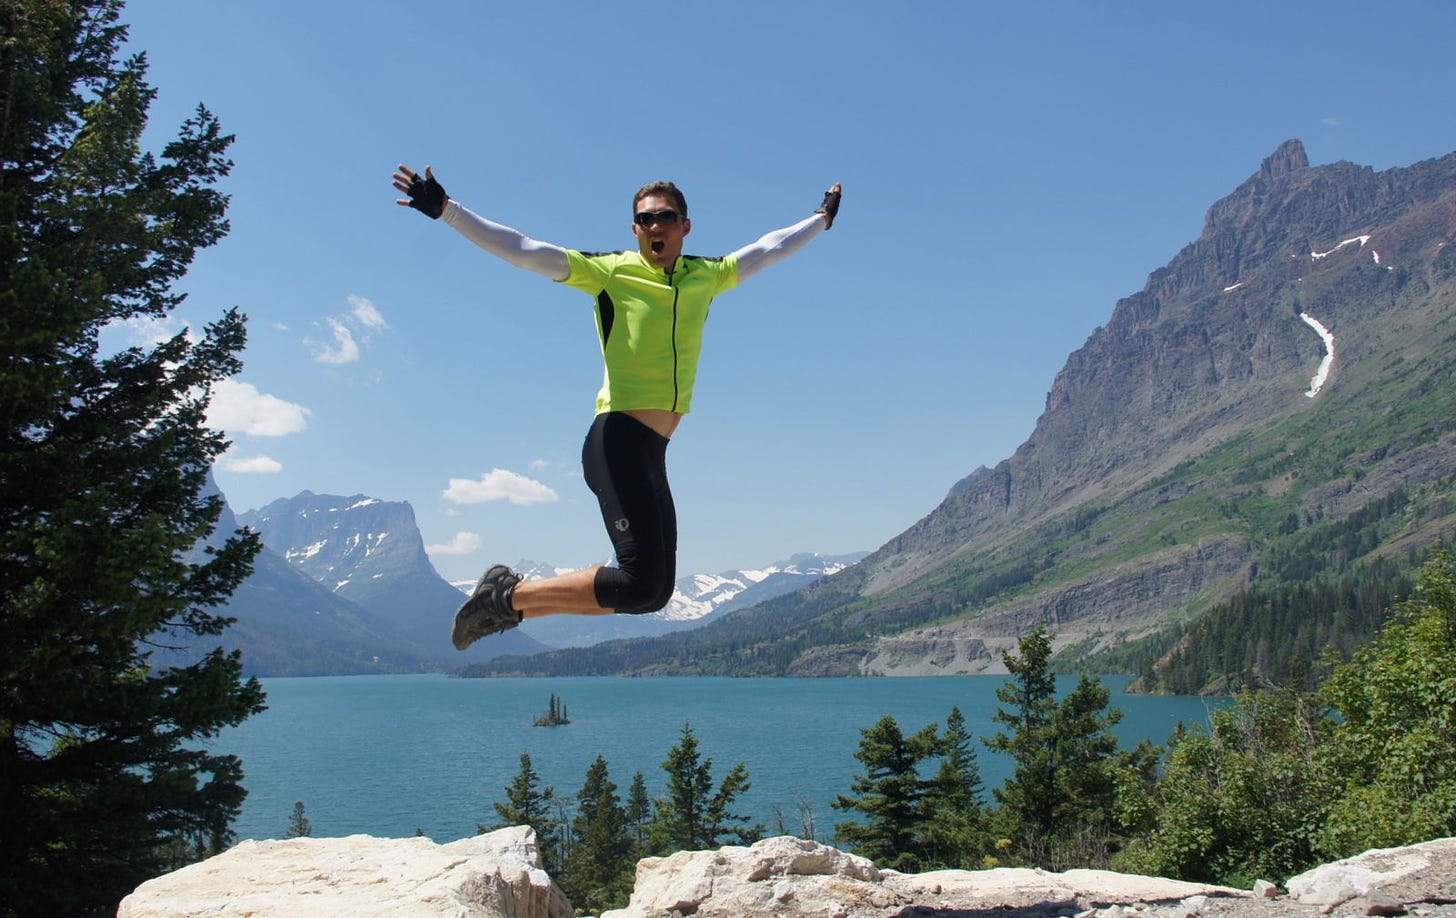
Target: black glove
x=427, y=196
x=830, y=208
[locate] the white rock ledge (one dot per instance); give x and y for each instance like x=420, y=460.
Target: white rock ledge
x=787, y=876
x=499, y=876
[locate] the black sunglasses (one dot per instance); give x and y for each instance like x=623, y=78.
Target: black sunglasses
x=649, y=217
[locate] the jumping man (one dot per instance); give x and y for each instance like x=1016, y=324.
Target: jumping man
x=651, y=305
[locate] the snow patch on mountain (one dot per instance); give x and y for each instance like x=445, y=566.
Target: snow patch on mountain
x=303, y=554
x=1357, y=240
x=1317, y=382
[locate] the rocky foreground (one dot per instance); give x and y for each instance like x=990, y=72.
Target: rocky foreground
x=498, y=875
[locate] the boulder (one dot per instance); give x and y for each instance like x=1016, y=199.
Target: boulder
x=1418, y=872
x=788, y=877
x=497, y=875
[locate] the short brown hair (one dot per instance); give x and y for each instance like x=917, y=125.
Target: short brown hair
x=663, y=188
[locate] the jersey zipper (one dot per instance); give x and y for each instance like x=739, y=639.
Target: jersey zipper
x=671, y=283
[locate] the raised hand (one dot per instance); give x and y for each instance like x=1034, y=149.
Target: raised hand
x=425, y=194
x=830, y=207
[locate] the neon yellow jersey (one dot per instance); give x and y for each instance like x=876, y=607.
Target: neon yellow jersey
x=650, y=323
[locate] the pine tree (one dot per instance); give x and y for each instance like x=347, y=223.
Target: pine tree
x=638, y=811
x=1086, y=755
x=1060, y=804
x=1028, y=797
x=889, y=796
x=598, y=871
x=724, y=826
x=953, y=818
x=526, y=805
x=106, y=778
x=692, y=817
x=298, y=824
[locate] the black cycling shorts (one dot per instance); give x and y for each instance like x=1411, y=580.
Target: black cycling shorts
x=625, y=464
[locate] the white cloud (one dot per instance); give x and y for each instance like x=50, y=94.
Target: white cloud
x=464, y=543
x=499, y=484
x=1330, y=122
x=539, y=465
x=250, y=465
x=365, y=313
x=344, y=349
x=351, y=332
x=148, y=331
x=239, y=407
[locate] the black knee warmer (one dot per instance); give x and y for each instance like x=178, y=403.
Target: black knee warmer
x=633, y=593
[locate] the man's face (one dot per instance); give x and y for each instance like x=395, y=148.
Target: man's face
x=661, y=240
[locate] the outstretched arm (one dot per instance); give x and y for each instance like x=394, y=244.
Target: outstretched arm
x=774, y=247
x=428, y=197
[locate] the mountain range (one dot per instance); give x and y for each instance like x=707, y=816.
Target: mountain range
x=1283, y=374
x=697, y=600
x=343, y=585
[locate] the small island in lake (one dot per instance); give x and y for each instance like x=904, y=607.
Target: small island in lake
x=555, y=715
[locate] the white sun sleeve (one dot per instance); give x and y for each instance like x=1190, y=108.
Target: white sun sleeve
x=774, y=247
x=544, y=258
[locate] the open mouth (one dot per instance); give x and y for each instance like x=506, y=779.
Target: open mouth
x=657, y=246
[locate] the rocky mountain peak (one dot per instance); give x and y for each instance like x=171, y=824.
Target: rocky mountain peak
x=340, y=541
x=1288, y=158
x=1217, y=330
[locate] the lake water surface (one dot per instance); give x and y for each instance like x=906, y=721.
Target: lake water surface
x=389, y=755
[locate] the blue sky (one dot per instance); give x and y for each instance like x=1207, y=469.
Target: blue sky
x=1010, y=171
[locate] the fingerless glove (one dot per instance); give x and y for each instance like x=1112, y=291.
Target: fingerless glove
x=428, y=197
x=830, y=208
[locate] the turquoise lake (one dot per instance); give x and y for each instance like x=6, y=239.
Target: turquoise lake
x=389, y=755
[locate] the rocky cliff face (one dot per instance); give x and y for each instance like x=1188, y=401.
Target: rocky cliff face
x=1213, y=345
x=364, y=549
x=1130, y=599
